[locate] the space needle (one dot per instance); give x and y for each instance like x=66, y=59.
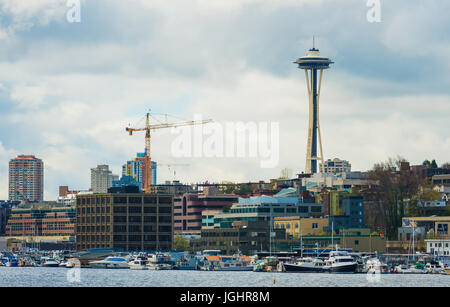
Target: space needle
x=313, y=63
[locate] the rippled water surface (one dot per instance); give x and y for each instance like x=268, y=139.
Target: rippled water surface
x=62, y=277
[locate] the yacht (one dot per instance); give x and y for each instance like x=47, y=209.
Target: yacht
x=49, y=262
x=434, y=267
x=188, y=262
x=340, y=262
x=405, y=269
x=374, y=265
x=228, y=263
x=111, y=262
x=305, y=265
x=159, y=261
x=139, y=263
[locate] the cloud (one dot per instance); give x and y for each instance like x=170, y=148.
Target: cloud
x=69, y=90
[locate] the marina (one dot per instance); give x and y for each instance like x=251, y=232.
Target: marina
x=334, y=262
x=58, y=277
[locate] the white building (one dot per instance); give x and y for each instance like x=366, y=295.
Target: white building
x=102, y=178
x=438, y=247
x=336, y=166
x=71, y=198
x=341, y=181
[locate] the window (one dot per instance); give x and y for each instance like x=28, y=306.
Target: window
x=315, y=226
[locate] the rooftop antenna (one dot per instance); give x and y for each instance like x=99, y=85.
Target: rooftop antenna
x=314, y=42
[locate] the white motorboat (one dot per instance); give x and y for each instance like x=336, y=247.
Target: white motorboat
x=340, y=262
x=139, y=263
x=434, y=267
x=111, y=262
x=49, y=262
x=405, y=269
x=375, y=266
x=159, y=261
x=305, y=265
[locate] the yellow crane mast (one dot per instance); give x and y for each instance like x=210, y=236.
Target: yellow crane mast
x=147, y=168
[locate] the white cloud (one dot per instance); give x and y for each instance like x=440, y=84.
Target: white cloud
x=76, y=94
x=30, y=97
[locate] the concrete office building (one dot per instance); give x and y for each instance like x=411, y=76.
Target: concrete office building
x=26, y=179
x=128, y=221
x=102, y=179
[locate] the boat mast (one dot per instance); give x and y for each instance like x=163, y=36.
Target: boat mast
x=332, y=227
x=301, y=240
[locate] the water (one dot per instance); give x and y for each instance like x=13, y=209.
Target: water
x=58, y=277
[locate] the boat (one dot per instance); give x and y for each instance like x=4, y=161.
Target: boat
x=11, y=262
x=228, y=263
x=49, y=262
x=412, y=269
x=375, y=266
x=340, y=262
x=72, y=263
x=159, y=261
x=305, y=265
x=434, y=267
x=268, y=264
x=139, y=263
x=111, y=262
x=188, y=262
x=446, y=271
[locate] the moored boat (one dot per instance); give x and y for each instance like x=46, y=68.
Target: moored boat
x=139, y=263
x=111, y=262
x=49, y=262
x=305, y=265
x=340, y=262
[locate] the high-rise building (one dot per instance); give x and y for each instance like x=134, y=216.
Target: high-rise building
x=313, y=63
x=134, y=168
x=102, y=179
x=26, y=179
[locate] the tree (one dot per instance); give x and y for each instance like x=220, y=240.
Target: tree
x=434, y=164
x=180, y=243
x=446, y=165
x=392, y=189
x=228, y=187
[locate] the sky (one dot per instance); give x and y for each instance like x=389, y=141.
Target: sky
x=69, y=89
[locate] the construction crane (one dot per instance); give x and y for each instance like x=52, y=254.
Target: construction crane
x=147, y=169
x=24, y=198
